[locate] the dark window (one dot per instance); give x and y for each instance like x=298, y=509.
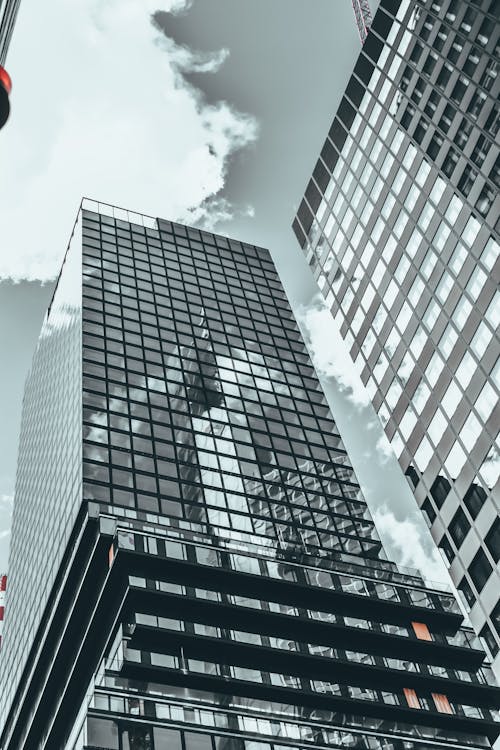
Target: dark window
x=493, y=540
x=455, y=49
x=305, y=216
x=447, y=118
x=420, y=130
x=490, y=640
x=432, y=102
x=474, y=499
x=406, y=78
x=416, y=52
x=450, y=162
x=463, y=133
x=441, y=37
x=444, y=76
x=382, y=24
x=468, y=21
x=412, y=475
x=439, y=490
x=467, y=180
x=407, y=116
x=485, y=200
x=459, y=90
x=486, y=30
x=476, y=104
x=428, y=509
x=419, y=90
x=452, y=10
x=373, y=47
x=430, y=63
x=473, y=58
x=481, y=150
x=466, y=590
x=493, y=121
x=434, y=146
x=445, y=545
x=480, y=570
x=426, y=30
x=459, y=527
x=495, y=173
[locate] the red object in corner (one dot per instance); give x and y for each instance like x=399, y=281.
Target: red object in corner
x=5, y=80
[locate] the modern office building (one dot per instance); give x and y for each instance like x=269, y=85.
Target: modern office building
x=193, y=565
x=3, y=586
x=400, y=226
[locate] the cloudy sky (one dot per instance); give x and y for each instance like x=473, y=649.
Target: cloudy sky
x=205, y=111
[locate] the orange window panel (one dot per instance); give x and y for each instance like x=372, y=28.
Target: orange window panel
x=411, y=698
x=442, y=703
x=111, y=555
x=422, y=631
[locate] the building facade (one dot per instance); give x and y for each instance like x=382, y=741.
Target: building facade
x=400, y=226
x=193, y=565
x=3, y=586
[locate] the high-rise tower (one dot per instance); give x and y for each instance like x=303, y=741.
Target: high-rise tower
x=3, y=586
x=193, y=566
x=400, y=226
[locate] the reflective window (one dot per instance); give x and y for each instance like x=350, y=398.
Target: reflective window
x=458, y=258
x=455, y=460
x=486, y=401
x=462, y=312
x=444, y=287
x=492, y=314
x=429, y=263
x=470, y=431
x=451, y=398
x=437, y=427
x=476, y=283
x=434, y=369
x=481, y=340
x=466, y=370
x=420, y=397
x=448, y=340
x=490, y=253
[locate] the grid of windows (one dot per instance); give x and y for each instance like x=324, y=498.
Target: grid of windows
x=199, y=400
x=399, y=226
x=49, y=470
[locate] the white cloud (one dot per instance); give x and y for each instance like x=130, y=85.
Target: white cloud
x=384, y=449
x=405, y=542
x=106, y=113
x=329, y=352
x=6, y=505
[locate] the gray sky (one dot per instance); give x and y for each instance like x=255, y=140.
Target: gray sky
x=221, y=112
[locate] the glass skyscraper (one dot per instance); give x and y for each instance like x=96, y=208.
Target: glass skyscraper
x=193, y=565
x=400, y=226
